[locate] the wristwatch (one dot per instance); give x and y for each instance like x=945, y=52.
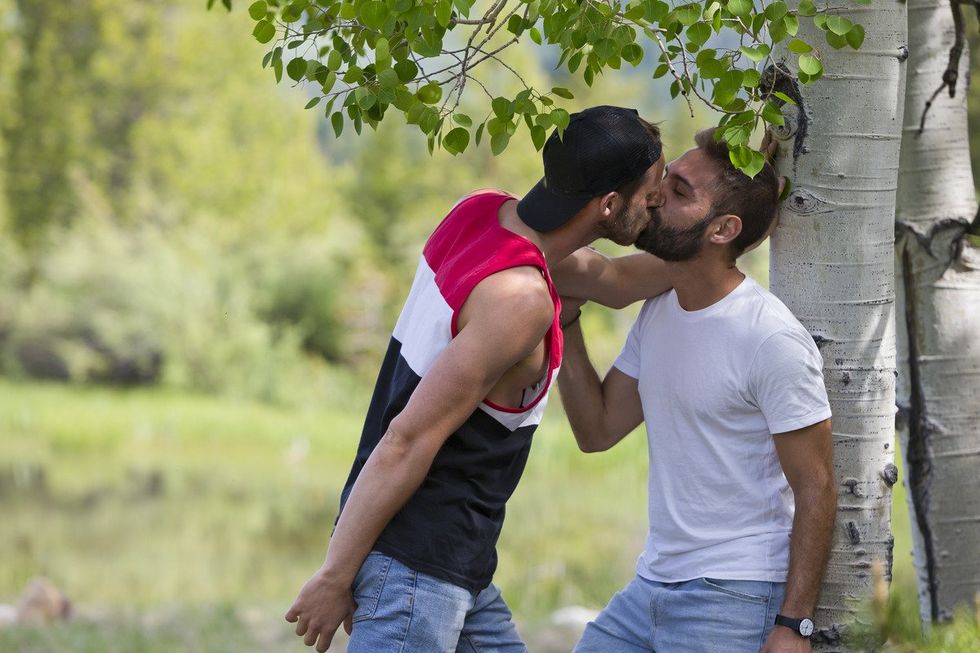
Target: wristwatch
x=802, y=627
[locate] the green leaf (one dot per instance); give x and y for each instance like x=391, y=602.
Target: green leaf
x=855, y=37
x=712, y=69
x=655, y=10
x=388, y=79
x=354, y=75
x=751, y=78
x=820, y=20
x=699, y=33
x=382, y=54
x=785, y=98
x=462, y=119
x=264, y=31
x=456, y=140
x=835, y=41
x=799, y=47
x=810, y=65
x=312, y=103
x=444, y=12
x=258, y=10
x=502, y=108
x=365, y=98
x=792, y=24
x=479, y=133
x=337, y=121
x=406, y=70
x=372, y=14
x=772, y=114
x=807, y=8
x=296, y=68
x=328, y=82
x=535, y=35
x=430, y=93
x=690, y=13
x=661, y=70
x=400, y=6
x=334, y=61
x=538, y=136
x=777, y=30
x=776, y=10
x=757, y=53
x=498, y=142
x=563, y=92
x=560, y=118
x=740, y=8
x=839, y=25
x=605, y=48
x=632, y=53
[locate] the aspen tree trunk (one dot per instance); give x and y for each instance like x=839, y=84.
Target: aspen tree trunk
x=938, y=310
x=832, y=263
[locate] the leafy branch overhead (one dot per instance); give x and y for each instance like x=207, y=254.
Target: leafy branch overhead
x=420, y=58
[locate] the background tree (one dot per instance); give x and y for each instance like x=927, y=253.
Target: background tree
x=831, y=263
x=938, y=309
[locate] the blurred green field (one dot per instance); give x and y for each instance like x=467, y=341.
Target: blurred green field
x=181, y=523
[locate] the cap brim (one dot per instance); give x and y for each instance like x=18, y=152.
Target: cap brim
x=544, y=210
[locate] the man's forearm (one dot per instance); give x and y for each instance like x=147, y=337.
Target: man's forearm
x=813, y=530
x=581, y=392
x=393, y=472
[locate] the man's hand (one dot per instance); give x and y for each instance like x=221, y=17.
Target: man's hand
x=784, y=640
x=320, y=608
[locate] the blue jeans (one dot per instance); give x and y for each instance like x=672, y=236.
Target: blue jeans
x=400, y=610
x=700, y=615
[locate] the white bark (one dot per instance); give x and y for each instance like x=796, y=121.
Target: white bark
x=832, y=263
x=938, y=282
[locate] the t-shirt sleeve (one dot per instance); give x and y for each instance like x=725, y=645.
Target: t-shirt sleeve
x=786, y=381
x=628, y=361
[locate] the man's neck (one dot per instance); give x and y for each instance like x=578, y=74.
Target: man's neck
x=555, y=245
x=702, y=282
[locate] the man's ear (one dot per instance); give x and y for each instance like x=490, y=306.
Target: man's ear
x=724, y=229
x=609, y=204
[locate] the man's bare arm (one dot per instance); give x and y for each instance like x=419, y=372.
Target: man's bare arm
x=509, y=314
x=806, y=456
x=614, y=282
x=600, y=413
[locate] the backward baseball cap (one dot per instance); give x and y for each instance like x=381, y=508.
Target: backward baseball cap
x=602, y=148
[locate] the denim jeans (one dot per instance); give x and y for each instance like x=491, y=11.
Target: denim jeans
x=400, y=610
x=697, y=616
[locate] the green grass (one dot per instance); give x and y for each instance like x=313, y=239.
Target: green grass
x=182, y=523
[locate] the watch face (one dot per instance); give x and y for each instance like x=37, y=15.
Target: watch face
x=806, y=627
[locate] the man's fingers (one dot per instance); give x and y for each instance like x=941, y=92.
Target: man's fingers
x=292, y=615
x=324, y=643
x=301, y=626
x=310, y=638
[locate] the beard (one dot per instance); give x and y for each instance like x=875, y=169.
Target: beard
x=626, y=225
x=669, y=243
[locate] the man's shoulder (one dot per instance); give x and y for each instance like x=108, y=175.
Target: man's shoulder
x=521, y=288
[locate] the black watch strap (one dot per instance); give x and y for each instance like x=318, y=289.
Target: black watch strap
x=802, y=627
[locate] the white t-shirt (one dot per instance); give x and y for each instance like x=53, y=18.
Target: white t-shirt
x=715, y=385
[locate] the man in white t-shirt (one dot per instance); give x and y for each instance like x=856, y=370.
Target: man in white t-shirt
x=742, y=497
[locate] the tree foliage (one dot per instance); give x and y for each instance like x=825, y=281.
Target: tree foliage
x=369, y=58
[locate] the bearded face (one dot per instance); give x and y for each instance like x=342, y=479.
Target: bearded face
x=671, y=243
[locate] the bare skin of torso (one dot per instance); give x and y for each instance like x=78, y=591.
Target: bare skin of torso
x=509, y=390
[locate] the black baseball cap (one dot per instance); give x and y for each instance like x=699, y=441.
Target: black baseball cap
x=602, y=148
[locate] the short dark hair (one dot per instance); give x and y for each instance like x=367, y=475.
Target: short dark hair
x=754, y=200
x=629, y=189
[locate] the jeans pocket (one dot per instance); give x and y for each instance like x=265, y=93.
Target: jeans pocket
x=368, y=583
x=746, y=590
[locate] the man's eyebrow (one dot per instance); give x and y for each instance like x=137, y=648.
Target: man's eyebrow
x=678, y=178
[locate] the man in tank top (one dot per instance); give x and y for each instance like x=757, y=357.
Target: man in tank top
x=459, y=394
x=742, y=497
